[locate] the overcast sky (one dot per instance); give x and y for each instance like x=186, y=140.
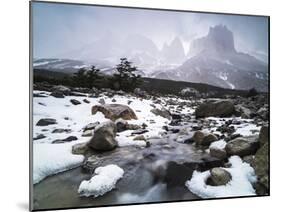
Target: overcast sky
x=59, y=28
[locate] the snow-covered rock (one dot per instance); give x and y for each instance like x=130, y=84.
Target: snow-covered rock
x=103, y=181
x=243, y=176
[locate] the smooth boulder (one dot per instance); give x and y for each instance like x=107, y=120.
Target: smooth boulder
x=218, y=153
x=68, y=139
x=46, y=122
x=57, y=94
x=75, y=102
x=242, y=146
x=208, y=139
x=203, y=139
x=61, y=89
x=80, y=148
x=219, y=176
x=104, y=137
x=162, y=112
x=222, y=108
x=115, y=111
x=198, y=137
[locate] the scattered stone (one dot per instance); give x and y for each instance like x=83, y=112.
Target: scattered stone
x=88, y=133
x=222, y=108
x=203, y=139
x=86, y=101
x=138, y=132
x=249, y=159
x=104, y=137
x=147, y=144
x=244, y=112
x=197, y=127
x=40, y=136
x=123, y=125
x=75, y=102
x=163, y=112
x=176, y=116
x=68, y=139
x=208, y=139
x=62, y=89
x=101, y=101
x=91, y=126
x=198, y=137
x=115, y=111
x=219, y=176
x=61, y=131
x=46, y=122
x=80, y=149
x=144, y=125
x=57, y=94
x=226, y=129
x=177, y=174
x=242, y=146
x=218, y=153
x=139, y=138
x=231, y=137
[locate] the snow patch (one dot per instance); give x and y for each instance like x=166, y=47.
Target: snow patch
x=243, y=176
x=247, y=129
x=49, y=159
x=122, y=141
x=220, y=144
x=102, y=182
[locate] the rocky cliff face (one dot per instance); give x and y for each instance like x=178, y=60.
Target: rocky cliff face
x=173, y=53
x=219, y=40
x=214, y=60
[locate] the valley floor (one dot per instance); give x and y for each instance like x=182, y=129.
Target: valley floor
x=159, y=162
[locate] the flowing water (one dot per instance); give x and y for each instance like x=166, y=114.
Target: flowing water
x=153, y=174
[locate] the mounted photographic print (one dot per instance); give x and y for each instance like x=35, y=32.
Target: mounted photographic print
x=138, y=105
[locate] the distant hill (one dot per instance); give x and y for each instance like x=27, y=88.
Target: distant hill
x=150, y=85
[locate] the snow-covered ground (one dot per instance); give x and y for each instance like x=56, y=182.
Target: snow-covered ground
x=246, y=128
x=50, y=159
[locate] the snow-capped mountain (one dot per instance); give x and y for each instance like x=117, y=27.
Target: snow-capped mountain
x=106, y=52
x=173, y=53
x=214, y=60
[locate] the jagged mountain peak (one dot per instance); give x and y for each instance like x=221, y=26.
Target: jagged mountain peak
x=173, y=52
x=219, y=40
x=213, y=60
